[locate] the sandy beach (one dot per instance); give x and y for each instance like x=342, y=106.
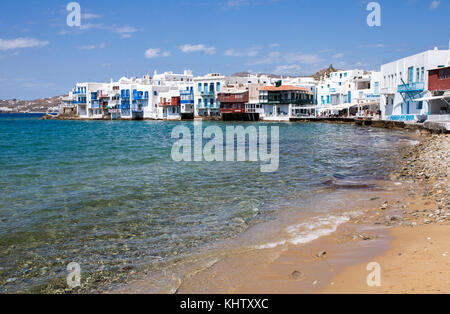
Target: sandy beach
x=418, y=260
x=404, y=229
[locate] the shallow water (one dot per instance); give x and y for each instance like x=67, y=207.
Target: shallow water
x=108, y=196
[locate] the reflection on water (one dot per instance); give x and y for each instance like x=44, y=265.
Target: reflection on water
x=108, y=196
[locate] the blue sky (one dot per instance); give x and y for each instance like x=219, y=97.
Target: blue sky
x=41, y=56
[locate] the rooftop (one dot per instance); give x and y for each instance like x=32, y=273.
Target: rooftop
x=285, y=88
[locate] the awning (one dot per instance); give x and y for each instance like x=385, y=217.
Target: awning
x=340, y=107
x=307, y=108
x=433, y=98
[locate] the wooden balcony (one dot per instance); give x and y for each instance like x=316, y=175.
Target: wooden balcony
x=233, y=97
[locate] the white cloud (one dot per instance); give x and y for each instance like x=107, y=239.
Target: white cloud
x=435, y=4
x=198, y=48
x=237, y=3
x=18, y=43
x=287, y=69
x=126, y=31
x=155, y=53
x=376, y=46
x=273, y=57
x=91, y=47
x=338, y=56
x=304, y=58
x=274, y=45
x=252, y=52
x=89, y=16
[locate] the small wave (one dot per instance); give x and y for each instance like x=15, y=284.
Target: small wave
x=309, y=231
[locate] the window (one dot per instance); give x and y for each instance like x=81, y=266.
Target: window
x=199, y=87
x=218, y=86
x=420, y=105
x=410, y=74
x=377, y=88
x=199, y=102
x=423, y=75
x=417, y=75
x=345, y=74
x=444, y=74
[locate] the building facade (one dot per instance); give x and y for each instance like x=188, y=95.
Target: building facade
x=405, y=85
x=283, y=102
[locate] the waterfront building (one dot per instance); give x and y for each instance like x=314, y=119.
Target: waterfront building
x=355, y=92
x=405, y=86
x=173, y=79
x=207, y=88
x=310, y=83
x=187, y=109
x=283, y=102
x=169, y=105
x=439, y=100
x=240, y=102
x=68, y=105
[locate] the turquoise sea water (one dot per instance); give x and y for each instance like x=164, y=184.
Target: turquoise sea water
x=108, y=196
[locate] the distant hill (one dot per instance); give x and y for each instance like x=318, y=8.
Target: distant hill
x=246, y=74
x=323, y=72
x=317, y=75
x=25, y=106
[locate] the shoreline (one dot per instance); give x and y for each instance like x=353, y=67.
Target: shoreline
x=392, y=227
x=427, y=127
x=418, y=260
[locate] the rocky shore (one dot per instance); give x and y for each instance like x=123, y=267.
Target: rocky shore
x=418, y=260
x=426, y=169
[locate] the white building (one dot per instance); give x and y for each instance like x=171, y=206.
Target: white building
x=130, y=98
x=310, y=83
x=405, y=83
x=207, y=87
x=283, y=102
x=352, y=90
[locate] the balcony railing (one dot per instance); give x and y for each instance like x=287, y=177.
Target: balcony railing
x=233, y=98
x=286, y=101
x=387, y=90
x=411, y=87
x=232, y=110
x=208, y=93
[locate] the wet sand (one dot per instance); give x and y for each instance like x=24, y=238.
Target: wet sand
x=404, y=227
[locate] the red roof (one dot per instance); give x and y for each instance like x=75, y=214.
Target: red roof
x=285, y=88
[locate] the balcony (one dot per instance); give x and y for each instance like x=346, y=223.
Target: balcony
x=297, y=102
x=233, y=98
x=208, y=94
x=232, y=110
x=411, y=87
x=138, y=95
x=388, y=90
